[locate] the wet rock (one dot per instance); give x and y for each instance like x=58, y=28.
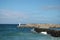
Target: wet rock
x=55, y=33
x=37, y=30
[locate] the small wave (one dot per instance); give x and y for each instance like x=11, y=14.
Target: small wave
x=32, y=30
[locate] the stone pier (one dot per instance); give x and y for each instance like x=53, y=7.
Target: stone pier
x=44, y=28
x=40, y=25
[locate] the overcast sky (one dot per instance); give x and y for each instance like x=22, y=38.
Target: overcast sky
x=29, y=11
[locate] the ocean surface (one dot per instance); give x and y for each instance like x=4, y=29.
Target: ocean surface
x=12, y=32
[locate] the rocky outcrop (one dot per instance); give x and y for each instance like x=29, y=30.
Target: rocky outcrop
x=38, y=30
x=44, y=27
x=54, y=33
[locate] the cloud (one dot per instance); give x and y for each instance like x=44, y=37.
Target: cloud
x=12, y=14
x=51, y=7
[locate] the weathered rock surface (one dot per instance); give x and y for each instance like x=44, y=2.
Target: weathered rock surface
x=44, y=27
x=54, y=33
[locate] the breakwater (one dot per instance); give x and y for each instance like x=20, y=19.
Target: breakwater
x=44, y=28
x=41, y=25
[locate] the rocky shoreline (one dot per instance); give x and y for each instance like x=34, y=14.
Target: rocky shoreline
x=54, y=33
x=44, y=28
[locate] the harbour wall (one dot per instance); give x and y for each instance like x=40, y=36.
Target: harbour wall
x=41, y=25
x=44, y=28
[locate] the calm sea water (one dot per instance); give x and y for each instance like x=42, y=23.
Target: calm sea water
x=11, y=32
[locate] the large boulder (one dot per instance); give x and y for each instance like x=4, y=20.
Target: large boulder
x=55, y=33
x=37, y=30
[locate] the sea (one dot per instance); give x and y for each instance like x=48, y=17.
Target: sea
x=12, y=32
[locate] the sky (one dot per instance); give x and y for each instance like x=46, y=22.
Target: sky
x=29, y=11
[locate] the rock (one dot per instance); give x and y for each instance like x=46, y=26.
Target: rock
x=37, y=30
x=55, y=33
